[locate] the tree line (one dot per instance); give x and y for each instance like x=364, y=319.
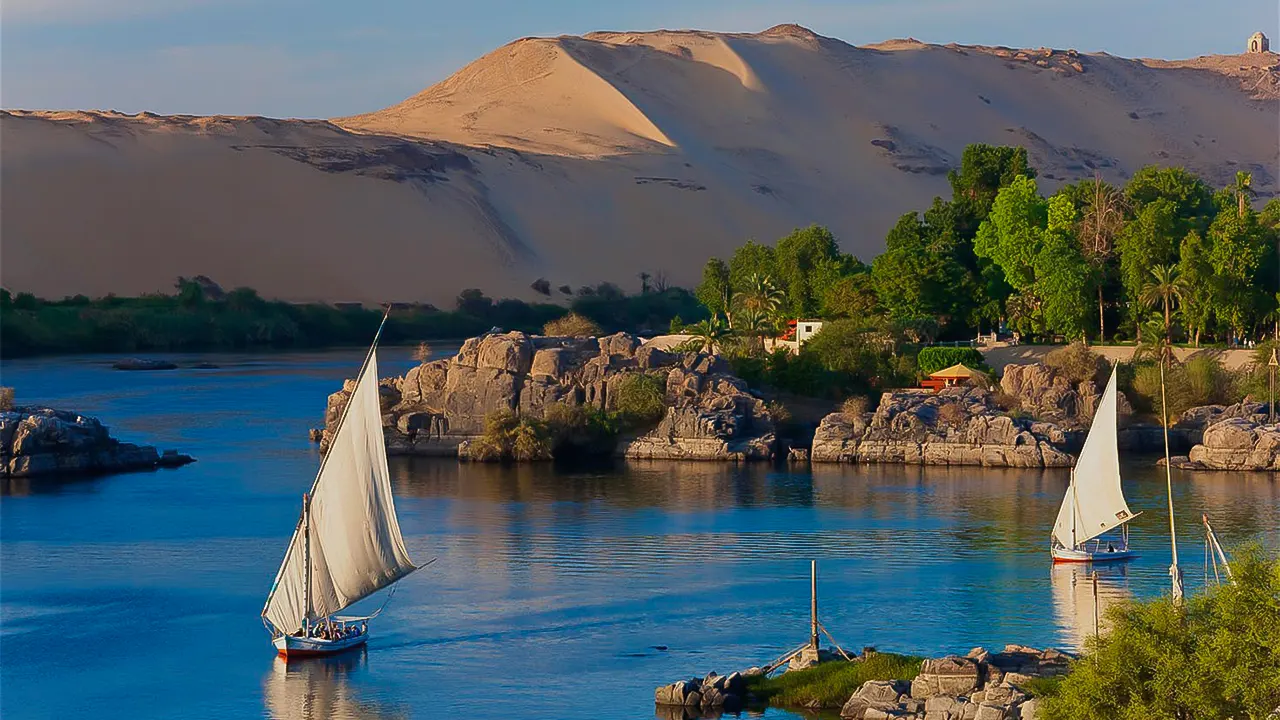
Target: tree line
x=1164, y=255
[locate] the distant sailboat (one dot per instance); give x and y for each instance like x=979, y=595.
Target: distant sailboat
x=347, y=544
x=1094, y=503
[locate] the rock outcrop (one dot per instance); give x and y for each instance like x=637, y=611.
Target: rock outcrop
x=438, y=407
x=956, y=426
x=1239, y=443
x=40, y=441
x=714, y=692
x=978, y=686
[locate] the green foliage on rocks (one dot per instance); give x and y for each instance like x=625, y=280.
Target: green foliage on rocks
x=830, y=684
x=640, y=399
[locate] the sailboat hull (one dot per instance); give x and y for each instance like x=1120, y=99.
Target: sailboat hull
x=1081, y=555
x=290, y=646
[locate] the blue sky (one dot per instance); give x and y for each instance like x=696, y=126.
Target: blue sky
x=324, y=58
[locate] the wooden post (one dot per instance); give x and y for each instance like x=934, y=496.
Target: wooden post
x=813, y=606
x=1095, y=603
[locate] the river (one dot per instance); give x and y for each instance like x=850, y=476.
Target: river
x=558, y=592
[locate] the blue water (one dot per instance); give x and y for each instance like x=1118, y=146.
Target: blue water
x=138, y=596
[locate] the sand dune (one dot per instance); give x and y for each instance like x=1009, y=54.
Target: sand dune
x=581, y=159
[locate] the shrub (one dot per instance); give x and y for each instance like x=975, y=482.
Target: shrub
x=422, y=353
x=830, y=684
x=1078, y=363
x=508, y=436
x=581, y=429
x=1218, y=656
x=640, y=399
x=854, y=406
x=1200, y=381
x=572, y=324
x=932, y=359
x=6, y=398
x=952, y=414
x=780, y=413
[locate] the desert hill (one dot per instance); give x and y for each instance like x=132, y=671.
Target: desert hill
x=581, y=159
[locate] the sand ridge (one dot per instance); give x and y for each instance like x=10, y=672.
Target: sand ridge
x=582, y=159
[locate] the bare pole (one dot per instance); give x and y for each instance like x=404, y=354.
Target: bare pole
x=1175, y=573
x=1095, y=603
x=813, y=606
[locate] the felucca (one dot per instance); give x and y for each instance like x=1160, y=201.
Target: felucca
x=1094, y=503
x=347, y=544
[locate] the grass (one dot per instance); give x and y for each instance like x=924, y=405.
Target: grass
x=1041, y=686
x=829, y=685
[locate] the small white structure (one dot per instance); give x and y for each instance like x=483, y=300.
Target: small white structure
x=806, y=329
x=1258, y=43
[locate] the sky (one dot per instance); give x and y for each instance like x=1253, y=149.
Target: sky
x=328, y=58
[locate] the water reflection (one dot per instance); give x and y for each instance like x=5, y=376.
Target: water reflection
x=321, y=689
x=1076, y=612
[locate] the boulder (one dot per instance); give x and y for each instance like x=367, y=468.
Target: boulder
x=950, y=675
x=1237, y=443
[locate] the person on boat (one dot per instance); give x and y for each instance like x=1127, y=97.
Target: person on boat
x=1111, y=547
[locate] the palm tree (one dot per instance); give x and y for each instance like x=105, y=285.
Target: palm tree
x=708, y=333
x=755, y=325
x=1166, y=289
x=1102, y=220
x=1243, y=190
x=760, y=296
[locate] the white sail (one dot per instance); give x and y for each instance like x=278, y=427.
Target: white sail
x=1094, y=503
x=351, y=533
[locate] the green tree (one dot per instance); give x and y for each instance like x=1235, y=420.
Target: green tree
x=1062, y=273
x=715, y=292
x=852, y=296
x=1244, y=192
x=1012, y=235
x=984, y=170
x=1102, y=219
x=708, y=334
x=1151, y=238
x=760, y=295
x=796, y=258
x=1191, y=197
x=1164, y=289
x=1198, y=284
x=752, y=258
x=1238, y=247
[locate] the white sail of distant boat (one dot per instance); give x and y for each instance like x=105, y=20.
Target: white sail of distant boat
x=347, y=544
x=1094, y=503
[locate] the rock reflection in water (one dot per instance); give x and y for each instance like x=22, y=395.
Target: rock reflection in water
x=321, y=689
x=1073, y=602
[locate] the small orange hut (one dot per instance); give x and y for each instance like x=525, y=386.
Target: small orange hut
x=949, y=377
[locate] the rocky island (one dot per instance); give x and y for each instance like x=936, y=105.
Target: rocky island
x=41, y=441
x=441, y=407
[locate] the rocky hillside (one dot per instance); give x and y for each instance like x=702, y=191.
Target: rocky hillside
x=582, y=159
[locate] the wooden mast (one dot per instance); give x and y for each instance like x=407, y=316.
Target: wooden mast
x=306, y=564
x=813, y=606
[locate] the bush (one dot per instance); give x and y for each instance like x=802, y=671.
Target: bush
x=933, y=359
x=862, y=357
x=6, y=398
x=779, y=412
x=508, y=436
x=854, y=406
x=579, y=429
x=1200, y=381
x=1078, y=363
x=952, y=414
x=572, y=324
x=640, y=399
x=830, y=684
x=1216, y=657
x=422, y=353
